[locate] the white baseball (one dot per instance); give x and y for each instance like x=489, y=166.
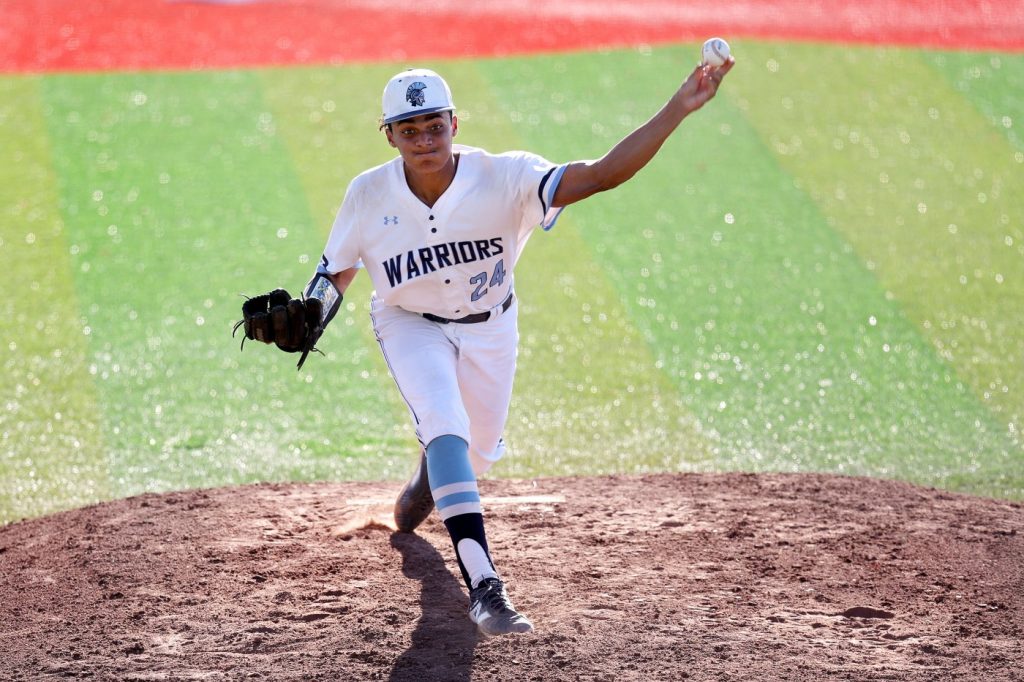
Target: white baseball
x=715, y=52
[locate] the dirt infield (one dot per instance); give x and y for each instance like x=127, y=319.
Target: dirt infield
x=666, y=577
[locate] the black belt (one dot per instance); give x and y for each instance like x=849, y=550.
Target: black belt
x=471, y=319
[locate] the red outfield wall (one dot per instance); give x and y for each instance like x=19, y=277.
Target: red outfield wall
x=78, y=35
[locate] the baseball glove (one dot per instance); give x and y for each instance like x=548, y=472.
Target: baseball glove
x=293, y=324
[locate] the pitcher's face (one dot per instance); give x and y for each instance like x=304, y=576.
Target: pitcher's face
x=425, y=142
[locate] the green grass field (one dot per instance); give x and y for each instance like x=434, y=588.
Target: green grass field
x=822, y=271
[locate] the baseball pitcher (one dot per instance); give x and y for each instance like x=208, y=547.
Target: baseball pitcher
x=439, y=230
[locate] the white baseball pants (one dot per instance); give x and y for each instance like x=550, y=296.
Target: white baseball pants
x=455, y=378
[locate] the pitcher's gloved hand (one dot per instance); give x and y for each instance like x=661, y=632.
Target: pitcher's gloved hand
x=293, y=324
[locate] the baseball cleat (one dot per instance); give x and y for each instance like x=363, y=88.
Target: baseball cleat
x=492, y=610
x=415, y=502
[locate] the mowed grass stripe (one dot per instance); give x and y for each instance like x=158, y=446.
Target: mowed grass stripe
x=776, y=335
x=926, y=189
x=51, y=446
x=992, y=83
x=326, y=119
x=177, y=196
x=589, y=396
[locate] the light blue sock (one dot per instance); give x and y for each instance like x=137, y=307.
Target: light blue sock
x=453, y=485
x=452, y=481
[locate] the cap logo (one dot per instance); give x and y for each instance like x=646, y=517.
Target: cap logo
x=414, y=95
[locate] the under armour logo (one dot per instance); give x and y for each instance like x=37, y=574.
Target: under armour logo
x=391, y=220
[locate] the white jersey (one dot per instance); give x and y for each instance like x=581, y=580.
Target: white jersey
x=455, y=258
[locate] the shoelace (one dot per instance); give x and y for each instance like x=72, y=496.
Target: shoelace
x=496, y=599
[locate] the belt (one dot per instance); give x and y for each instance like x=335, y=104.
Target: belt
x=475, y=317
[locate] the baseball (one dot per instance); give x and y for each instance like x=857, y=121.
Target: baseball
x=715, y=52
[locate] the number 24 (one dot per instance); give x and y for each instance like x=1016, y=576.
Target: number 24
x=482, y=284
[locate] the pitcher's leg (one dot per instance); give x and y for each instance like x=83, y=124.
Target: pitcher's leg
x=422, y=360
x=486, y=371
x=455, y=491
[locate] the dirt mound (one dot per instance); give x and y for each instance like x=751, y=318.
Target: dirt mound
x=665, y=577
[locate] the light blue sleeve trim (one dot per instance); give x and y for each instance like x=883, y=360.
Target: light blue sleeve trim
x=551, y=217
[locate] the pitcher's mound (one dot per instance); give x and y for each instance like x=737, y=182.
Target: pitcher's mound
x=666, y=577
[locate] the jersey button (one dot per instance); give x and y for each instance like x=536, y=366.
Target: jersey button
x=447, y=281
x=433, y=229
x=431, y=217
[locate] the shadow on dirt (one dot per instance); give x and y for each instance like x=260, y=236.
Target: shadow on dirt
x=444, y=638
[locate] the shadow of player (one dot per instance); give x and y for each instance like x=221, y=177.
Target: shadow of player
x=444, y=638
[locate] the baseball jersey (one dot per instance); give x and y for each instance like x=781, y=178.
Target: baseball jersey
x=454, y=258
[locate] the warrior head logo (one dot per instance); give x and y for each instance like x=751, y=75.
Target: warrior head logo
x=414, y=95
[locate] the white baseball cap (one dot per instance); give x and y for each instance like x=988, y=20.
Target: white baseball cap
x=415, y=92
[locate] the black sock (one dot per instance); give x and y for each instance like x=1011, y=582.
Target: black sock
x=467, y=533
